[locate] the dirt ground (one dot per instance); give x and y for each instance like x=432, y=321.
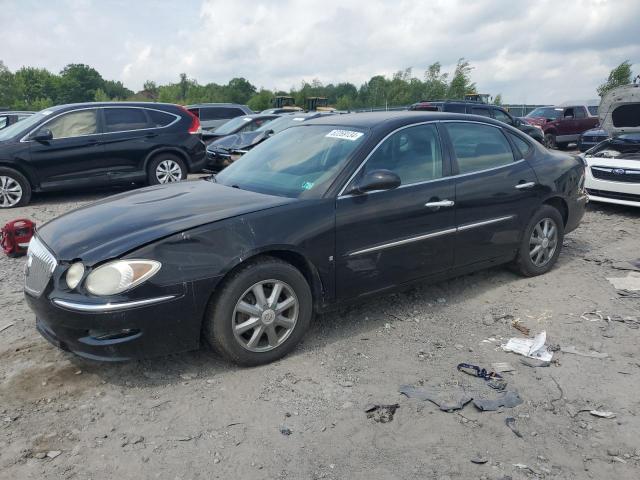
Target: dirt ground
x=194, y=416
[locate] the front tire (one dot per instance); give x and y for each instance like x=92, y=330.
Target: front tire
x=260, y=314
x=15, y=189
x=550, y=141
x=541, y=242
x=166, y=168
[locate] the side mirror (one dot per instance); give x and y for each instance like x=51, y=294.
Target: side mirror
x=43, y=135
x=268, y=133
x=377, y=180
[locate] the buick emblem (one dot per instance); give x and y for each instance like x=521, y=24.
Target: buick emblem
x=619, y=171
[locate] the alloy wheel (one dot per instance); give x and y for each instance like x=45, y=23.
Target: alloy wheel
x=10, y=192
x=265, y=315
x=543, y=242
x=168, y=171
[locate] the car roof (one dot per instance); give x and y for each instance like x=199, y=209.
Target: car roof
x=69, y=106
x=198, y=105
x=395, y=119
x=16, y=112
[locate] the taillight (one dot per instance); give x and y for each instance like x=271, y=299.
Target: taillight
x=195, y=127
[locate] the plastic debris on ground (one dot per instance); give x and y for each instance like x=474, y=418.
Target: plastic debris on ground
x=502, y=367
x=2, y=329
x=494, y=380
x=448, y=399
x=511, y=423
x=629, y=283
x=530, y=347
x=521, y=327
x=602, y=414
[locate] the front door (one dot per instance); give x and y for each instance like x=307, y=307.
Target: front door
x=496, y=192
x=75, y=154
x=387, y=238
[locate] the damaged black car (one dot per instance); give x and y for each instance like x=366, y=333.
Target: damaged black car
x=334, y=210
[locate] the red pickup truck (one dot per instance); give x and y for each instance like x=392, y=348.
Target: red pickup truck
x=563, y=125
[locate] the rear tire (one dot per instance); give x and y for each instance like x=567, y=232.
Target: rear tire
x=15, y=189
x=166, y=168
x=541, y=242
x=550, y=141
x=257, y=328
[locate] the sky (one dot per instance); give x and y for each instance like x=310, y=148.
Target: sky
x=534, y=51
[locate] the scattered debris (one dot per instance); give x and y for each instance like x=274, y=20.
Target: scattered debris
x=502, y=367
x=572, y=349
x=593, y=316
x=285, y=431
x=381, y=413
x=506, y=399
x=448, y=400
x=633, y=266
x=632, y=322
x=53, y=453
x=511, y=423
x=630, y=283
x=518, y=325
x=602, y=414
x=532, y=362
x=530, y=347
x=2, y=329
x=479, y=460
x=494, y=380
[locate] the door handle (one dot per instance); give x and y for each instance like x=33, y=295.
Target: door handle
x=440, y=203
x=522, y=186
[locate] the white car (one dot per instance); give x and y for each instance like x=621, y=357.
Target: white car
x=613, y=166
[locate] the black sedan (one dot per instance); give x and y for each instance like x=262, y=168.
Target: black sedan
x=331, y=211
x=238, y=125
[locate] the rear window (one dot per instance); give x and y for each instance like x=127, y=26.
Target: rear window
x=160, y=119
x=454, y=108
x=480, y=111
x=626, y=116
x=479, y=147
x=124, y=119
x=219, y=113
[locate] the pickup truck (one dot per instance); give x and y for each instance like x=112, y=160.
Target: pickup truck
x=563, y=125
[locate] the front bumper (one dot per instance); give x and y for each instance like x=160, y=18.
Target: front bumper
x=122, y=331
x=607, y=191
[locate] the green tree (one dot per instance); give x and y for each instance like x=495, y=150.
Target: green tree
x=7, y=86
x=101, y=96
x=239, y=90
x=435, y=84
x=78, y=83
x=461, y=83
x=497, y=100
x=34, y=86
x=115, y=90
x=621, y=75
x=261, y=100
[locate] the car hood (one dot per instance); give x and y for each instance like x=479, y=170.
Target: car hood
x=619, y=110
x=124, y=222
x=622, y=147
x=594, y=132
x=238, y=141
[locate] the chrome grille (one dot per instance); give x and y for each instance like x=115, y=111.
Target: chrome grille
x=628, y=175
x=40, y=265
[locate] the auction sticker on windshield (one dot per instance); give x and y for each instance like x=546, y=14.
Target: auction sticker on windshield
x=344, y=134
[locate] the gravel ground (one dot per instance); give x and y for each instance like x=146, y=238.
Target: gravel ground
x=193, y=416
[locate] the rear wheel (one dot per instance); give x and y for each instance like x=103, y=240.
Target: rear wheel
x=166, y=168
x=15, y=190
x=262, y=311
x=541, y=242
x=550, y=141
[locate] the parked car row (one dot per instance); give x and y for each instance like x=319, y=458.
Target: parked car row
x=563, y=124
x=8, y=118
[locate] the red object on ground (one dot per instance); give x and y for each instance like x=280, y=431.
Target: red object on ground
x=16, y=235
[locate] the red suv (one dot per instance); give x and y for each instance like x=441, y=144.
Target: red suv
x=563, y=125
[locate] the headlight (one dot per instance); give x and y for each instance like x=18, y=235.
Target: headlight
x=74, y=275
x=120, y=276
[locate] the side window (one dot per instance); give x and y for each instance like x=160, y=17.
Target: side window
x=210, y=113
x=4, y=122
x=232, y=112
x=124, y=119
x=480, y=111
x=502, y=116
x=412, y=153
x=579, y=112
x=256, y=124
x=74, y=124
x=454, y=108
x=478, y=147
x=160, y=119
x=568, y=112
x=593, y=110
x=522, y=145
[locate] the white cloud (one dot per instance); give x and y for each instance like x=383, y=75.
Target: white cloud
x=541, y=51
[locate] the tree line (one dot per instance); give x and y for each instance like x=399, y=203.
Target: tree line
x=31, y=88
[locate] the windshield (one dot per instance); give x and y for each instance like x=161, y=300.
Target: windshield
x=23, y=125
x=545, y=112
x=301, y=161
x=593, y=110
x=282, y=123
x=232, y=125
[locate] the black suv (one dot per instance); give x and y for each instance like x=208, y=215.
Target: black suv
x=98, y=144
x=483, y=109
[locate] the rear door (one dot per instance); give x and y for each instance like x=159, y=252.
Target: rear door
x=583, y=120
x=391, y=237
x=129, y=137
x=495, y=192
x=75, y=155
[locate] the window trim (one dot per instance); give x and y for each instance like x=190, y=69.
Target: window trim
x=25, y=138
x=341, y=193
